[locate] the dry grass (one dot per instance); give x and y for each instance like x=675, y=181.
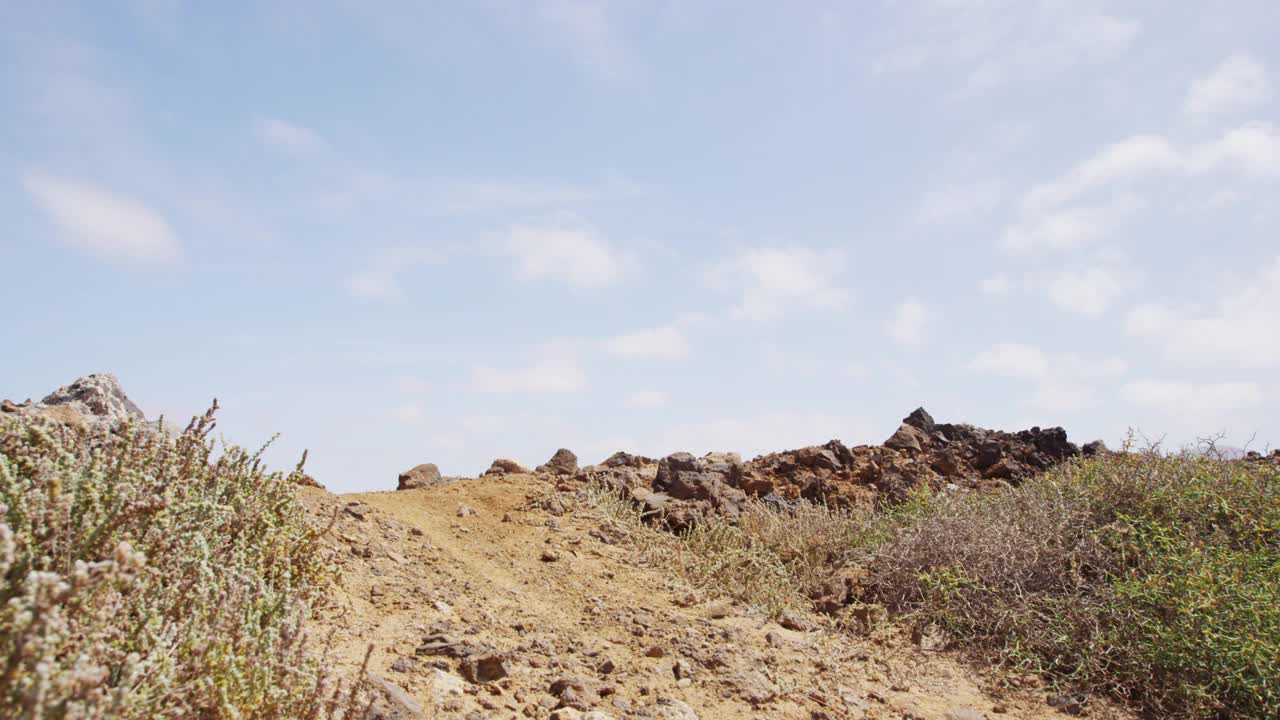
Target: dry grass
x=1150, y=578
x=144, y=576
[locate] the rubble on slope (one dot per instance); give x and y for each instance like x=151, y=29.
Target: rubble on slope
x=922, y=451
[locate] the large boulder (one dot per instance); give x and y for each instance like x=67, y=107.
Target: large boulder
x=563, y=462
x=422, y=476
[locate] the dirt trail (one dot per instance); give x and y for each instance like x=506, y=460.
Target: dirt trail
x=553, y=595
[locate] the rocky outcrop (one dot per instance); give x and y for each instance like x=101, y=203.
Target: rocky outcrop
x=680, y=487
x=421, y=476
x=563, y=462
x=504, y=466
x=94, y=403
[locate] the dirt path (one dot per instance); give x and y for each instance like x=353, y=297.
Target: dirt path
x=555, y=598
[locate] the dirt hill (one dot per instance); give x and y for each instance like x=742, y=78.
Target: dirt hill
x=500, y=597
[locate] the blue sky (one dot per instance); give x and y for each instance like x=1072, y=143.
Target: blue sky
x=398, y=232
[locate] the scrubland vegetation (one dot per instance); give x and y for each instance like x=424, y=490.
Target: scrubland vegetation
x=144, y=576
x=1150, y=578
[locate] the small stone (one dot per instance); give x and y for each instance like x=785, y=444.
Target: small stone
x=404, y=664
x=464, y=511
x=999, y=709
x=550, y=555
x=484, y=668
x=655, y=651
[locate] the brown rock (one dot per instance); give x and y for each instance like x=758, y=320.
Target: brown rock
x=563, y=462
x=484, y=668
x=422, y=476
x=390, y=701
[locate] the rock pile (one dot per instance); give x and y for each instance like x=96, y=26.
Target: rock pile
x=93, y=402
x=681, y=487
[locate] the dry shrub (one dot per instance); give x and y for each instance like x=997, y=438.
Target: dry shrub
x=1152, y=578
x=771, y=559
x=143, y=577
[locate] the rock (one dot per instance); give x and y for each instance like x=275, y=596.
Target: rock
x=754, y=686
x=920, y=419
x=485, y=668
x=505, y=466
x=1069, y=704
x=390, y=701
x=9, y=406
x=572, y=714
x=99, y=396
x=627, y=460
x=563, y=462
x=466, y=511
x=667, y=708
x=423, y=476
x=684, y=477
x=792, y=620
x=965, y=714
x=404, y=664
x=445, y=685
x=907, y=438
x=1095, y=448
x=577, y=693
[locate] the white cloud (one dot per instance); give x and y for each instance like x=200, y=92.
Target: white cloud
x=103, y=223
x=773, y=280
x=284, y=135
x=666, y=342
x=647, y=399
x=1049, y=220
x=375, y=285
x=1184, y=398
x=1126, y=160
x=1088, y=292
x=1252, y=149
x=1060, y=230
x=567, y=249
x=951, y=204
x=988, y=45
x=998, y=284
x=1238, y=83
x=1009, y=359
x=908, y=323
x=1239, y=330
x=547, y=375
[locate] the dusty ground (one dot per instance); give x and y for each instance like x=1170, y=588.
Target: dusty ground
x=558, y=600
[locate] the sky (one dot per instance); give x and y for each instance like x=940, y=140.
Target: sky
x=397, y=232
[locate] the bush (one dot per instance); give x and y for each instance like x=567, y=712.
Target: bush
x=143, y=577
x=1152, y=578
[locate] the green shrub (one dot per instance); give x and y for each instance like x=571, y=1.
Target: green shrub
x=145, y=576
x=1151, y=578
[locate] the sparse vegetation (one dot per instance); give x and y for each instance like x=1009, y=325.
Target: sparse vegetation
x=1147, y=577
x=144, y=576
